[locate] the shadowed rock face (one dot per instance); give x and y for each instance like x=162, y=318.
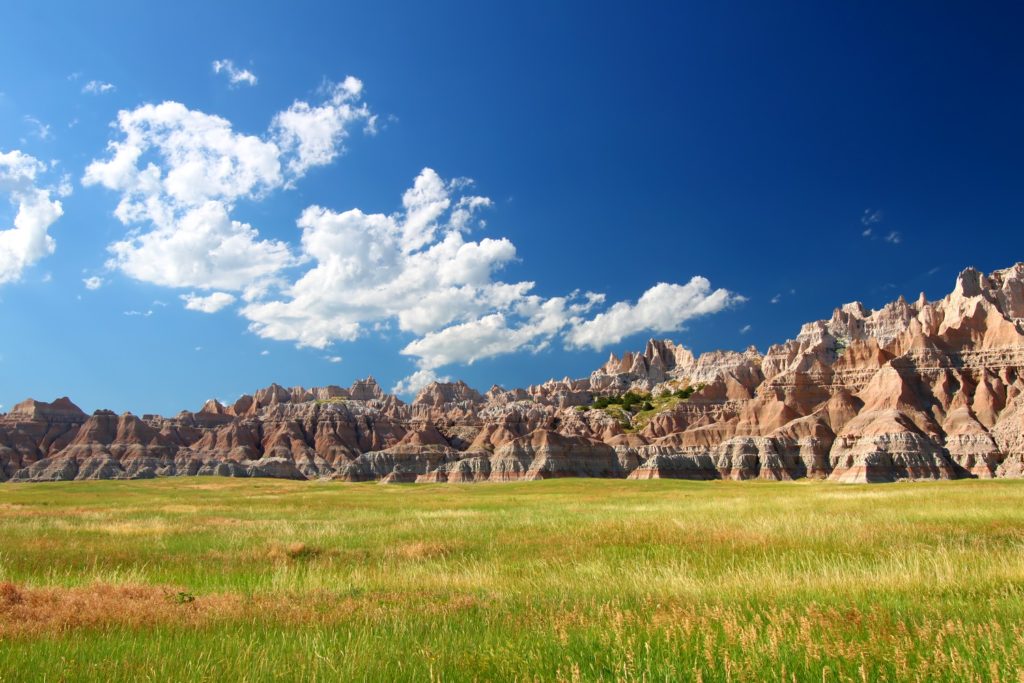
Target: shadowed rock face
x=921, y=390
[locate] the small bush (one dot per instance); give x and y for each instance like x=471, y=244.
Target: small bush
x=686, y=392
x=182, y=598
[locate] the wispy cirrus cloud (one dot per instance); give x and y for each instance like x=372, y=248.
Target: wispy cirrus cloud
x=235, y=75
x=870, y=220
x=98, y=88
x=38, y=128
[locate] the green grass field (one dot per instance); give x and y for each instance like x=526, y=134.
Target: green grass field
x=253, y=580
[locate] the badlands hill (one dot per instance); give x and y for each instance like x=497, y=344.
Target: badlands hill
x=916, y=390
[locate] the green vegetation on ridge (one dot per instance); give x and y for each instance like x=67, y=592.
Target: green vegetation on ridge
x=634, y=410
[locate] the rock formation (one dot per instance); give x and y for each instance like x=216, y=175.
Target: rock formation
x=915, y=390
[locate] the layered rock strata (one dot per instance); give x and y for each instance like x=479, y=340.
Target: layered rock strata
x=914, y=390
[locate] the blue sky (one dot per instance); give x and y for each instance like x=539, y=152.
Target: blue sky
x=748, y=144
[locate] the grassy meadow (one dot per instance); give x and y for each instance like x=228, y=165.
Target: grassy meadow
x=258, y=580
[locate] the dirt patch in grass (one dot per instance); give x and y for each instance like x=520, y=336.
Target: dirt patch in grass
x=37, y=611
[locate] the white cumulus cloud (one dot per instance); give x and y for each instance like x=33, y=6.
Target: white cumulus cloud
x=414, y=383
x=411, y=266
x=418, y=268
x=313, y=134
x=180, y=174
x=207, y=304
x=417, y=271
x=94, y=282
x=204, y=248
x=662, y=308
x=531, y=324
x=35, y=211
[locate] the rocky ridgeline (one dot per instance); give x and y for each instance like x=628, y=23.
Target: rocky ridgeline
x=922, y=390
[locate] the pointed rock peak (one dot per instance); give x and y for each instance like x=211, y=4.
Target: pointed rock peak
x=969, y=282
x=390, y=401
x=300, y=394
x=439, y=393
x=212, y=407
x=28, y=407
x=272, y=395
x=889, y=389
x=242, y=405
x=854, y=308
x=659, y=348
x=65, y=404
x=366, y=389
x=682, y=355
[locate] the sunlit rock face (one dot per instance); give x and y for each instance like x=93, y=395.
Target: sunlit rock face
x=914, y=390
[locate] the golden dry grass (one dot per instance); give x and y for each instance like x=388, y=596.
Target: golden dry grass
x=561, y=580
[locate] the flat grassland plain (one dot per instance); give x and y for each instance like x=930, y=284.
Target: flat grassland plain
x=574, y=579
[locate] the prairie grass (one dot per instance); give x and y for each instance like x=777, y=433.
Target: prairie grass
x=253, y=580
